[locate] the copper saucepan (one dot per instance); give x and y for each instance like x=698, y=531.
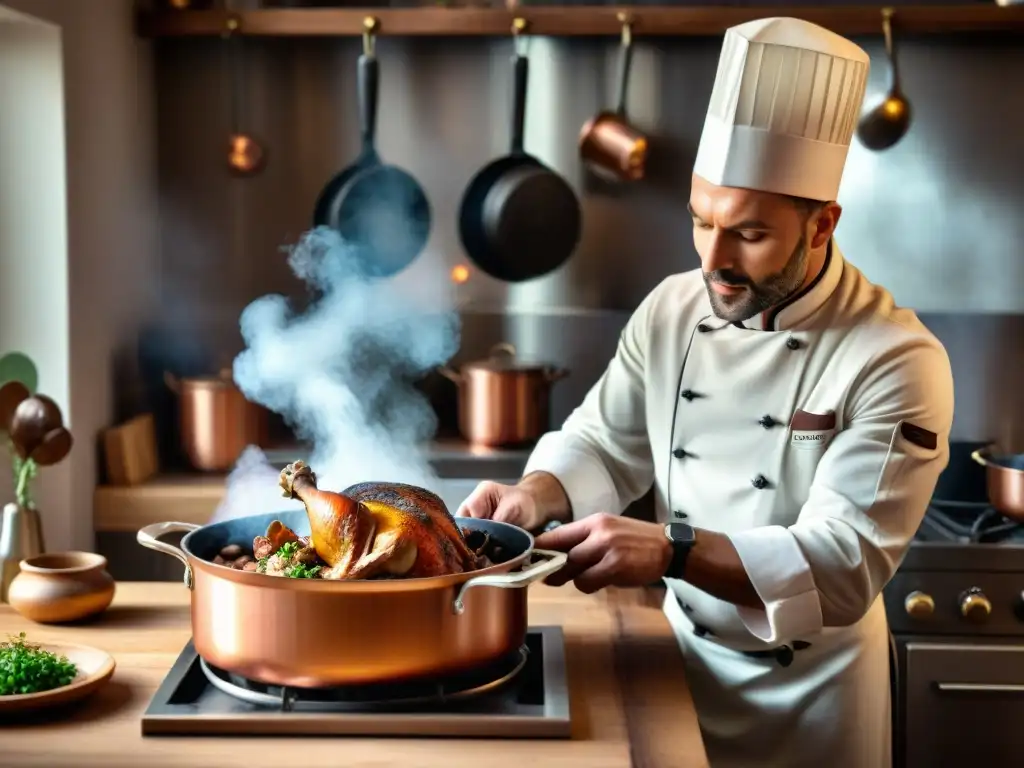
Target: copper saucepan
x=217, y=422
x=320, y=632
x=1004, y=478
x=608, y=143
x=503, y=401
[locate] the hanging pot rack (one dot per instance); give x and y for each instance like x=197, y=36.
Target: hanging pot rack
x=568, y=21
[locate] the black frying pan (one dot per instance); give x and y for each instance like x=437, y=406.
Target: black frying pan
x=519, y=219
x=379, y=209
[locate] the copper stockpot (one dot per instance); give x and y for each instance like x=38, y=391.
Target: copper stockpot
x=504, y=402
x=608, y=143
x=319, y=632
x=1004, y=479
x=217, y=422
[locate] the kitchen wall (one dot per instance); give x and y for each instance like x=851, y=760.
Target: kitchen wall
x=78, y=208
x=935, y=219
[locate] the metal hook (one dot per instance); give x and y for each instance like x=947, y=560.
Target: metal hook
x=626, y=20
x=887, y=17
x=519, y=26
x=232, y=25
x=370, y=26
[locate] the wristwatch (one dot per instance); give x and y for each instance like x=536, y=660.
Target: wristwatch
x=681, y=536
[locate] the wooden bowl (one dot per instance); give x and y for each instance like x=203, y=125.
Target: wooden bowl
x=95, y=668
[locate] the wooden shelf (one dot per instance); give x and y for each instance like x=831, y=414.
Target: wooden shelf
x=663, y=21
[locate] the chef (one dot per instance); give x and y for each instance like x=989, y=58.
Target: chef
x=791, y=418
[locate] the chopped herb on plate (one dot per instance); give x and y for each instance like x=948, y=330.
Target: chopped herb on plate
x=26, y=668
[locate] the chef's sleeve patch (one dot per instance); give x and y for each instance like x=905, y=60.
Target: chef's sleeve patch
x=919, y=436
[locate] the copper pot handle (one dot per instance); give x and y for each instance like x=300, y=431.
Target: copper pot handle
x=502, y=348
x=450, y=373
x=526, y=576
x=552, y=374
x=149, y=537
x=174, y=383
x=625, y=62
x=976, y=455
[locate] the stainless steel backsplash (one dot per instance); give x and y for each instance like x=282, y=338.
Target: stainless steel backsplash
x=935, y=219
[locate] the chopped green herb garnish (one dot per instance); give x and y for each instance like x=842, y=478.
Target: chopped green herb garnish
x=28, y=668
x=302, y=571
x=288, y=549
x=294, y=571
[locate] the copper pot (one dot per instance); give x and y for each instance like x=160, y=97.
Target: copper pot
x=320, y=632
x=608, y=143
x=1004, y=478
x=217, y=422
x=503, y=402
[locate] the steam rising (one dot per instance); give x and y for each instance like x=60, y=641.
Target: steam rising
x=341, y=371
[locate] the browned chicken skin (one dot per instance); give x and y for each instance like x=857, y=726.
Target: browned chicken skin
x=376, y=529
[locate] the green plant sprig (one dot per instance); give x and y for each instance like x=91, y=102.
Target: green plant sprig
x=25, y=471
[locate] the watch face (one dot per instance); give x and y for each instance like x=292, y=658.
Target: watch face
x=679, y=532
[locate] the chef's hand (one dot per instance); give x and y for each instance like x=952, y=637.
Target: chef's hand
x=608, y=551
x=513, y=504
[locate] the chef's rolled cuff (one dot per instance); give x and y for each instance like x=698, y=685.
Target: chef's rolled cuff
x=583, y=476
x=830, y=566
x=781, y=576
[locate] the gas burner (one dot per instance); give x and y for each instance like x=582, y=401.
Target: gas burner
x=362, y=698
x=523, y=695
x=968, y=522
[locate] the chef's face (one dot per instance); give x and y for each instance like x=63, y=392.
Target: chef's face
x=756, y=248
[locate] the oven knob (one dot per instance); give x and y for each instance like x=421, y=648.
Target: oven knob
x=920, y=605
x=974, y=606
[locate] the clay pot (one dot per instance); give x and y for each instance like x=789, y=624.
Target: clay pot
x=61, y=586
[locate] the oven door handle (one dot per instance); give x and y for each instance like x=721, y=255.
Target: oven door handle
x=980, y=687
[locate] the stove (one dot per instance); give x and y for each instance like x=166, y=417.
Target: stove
x=524, y=695
x=956, y=612
x=968, y=522
x=966, y=535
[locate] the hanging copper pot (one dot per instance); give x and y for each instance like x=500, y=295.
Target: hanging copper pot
x=608, y=143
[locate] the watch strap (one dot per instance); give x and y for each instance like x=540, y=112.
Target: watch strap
x=681, y=546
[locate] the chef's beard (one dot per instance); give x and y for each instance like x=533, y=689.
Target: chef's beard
x=759, y=296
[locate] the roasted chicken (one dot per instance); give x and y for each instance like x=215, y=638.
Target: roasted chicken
x=373, y=529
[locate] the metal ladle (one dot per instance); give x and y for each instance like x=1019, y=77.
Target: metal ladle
x=888, y=122
x=245, y=155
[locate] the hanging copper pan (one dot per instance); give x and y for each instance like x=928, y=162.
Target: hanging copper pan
x=608, y=143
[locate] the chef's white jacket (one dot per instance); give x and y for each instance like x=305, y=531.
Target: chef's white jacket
x=812, y=435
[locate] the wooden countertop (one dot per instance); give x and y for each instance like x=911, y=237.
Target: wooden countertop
x=630, y=704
